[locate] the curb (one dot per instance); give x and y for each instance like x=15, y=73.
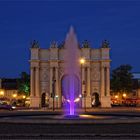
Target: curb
x=58, y=121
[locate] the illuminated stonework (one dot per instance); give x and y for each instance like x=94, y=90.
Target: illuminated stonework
x=48, y=64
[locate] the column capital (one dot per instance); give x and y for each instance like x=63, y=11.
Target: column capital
x=37, y=67
x=108, y=67
x=102, y=66
x=32, y=67
x=88, y=67
x=52, y=67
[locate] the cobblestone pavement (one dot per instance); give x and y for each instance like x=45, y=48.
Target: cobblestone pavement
x=69, y=131
x=10, y=128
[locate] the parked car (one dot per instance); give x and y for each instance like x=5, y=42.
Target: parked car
x=6, y=106
x=115, y=102
x=130, y=102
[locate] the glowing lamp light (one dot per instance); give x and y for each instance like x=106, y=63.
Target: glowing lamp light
x=14, y=95
x=68, y=101
x=56, y=96
x=82, y=60
x=116, y=96
x=13, y=107
x=124, y=95
x=2, y=93
x=23, y=96
x=115, y=101
x=76, y=100
x=80, y=96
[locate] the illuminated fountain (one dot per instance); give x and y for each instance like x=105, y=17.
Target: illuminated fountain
x=72, y=68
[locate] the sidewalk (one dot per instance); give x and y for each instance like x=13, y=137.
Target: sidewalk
x=91, y=110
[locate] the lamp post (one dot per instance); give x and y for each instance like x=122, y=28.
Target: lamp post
x=56, y=101
x=53, y=87
x=14, y=95
x=124, y=98
x=82, y=62
x=84, y=97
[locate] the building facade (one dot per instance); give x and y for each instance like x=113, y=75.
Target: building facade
x=8, y=88
x=45, y=64
x=136, y=85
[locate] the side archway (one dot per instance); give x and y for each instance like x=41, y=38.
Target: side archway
x=43, y=100
x=95, y=100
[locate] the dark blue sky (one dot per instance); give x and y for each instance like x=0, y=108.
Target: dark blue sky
x=45, y=21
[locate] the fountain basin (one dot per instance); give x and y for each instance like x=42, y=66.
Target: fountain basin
x=72, y=116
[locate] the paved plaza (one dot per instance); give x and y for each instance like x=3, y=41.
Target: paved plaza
x=114, y=123
x=70, y=131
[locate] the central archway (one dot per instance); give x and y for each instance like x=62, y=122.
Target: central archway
x=65, y=88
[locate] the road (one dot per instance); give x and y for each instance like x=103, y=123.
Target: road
x=72, y=131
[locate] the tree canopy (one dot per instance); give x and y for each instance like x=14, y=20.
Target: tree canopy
x=121, y=79
x=24, y=84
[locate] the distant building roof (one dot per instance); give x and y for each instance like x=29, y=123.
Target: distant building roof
x=9, y=84
x=136, y=75
x=136, y=80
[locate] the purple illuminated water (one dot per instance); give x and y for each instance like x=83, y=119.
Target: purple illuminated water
x=71, y=92
x=71, y=67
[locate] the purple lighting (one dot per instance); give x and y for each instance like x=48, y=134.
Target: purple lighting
x=71, y=67
x=71, y=95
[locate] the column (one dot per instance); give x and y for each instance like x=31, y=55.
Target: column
x=57, y=95
x=88, y=81
x=32, y=92
x=88, y=96
x=102, y=81
x=56, y=76
x=50, y=99
x=105, y=99
x=37, y=82
x=51, y=72
x=108, y=81
x=83, y=80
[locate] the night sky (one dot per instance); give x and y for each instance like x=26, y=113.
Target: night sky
x=46, y=21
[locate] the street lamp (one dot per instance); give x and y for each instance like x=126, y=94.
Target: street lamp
x=124, y=95
x=14, y=95
x=56, y=101
x=116, y=96
x=23, y=96
x=1, y=93
x=82, y=62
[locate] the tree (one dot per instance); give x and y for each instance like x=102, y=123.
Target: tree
x=121, y=79
x=24, y=84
